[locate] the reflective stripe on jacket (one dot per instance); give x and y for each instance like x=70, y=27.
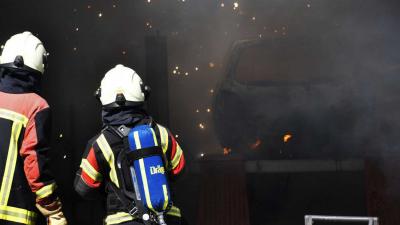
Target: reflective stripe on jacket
x=24, y=149
x=98, y=165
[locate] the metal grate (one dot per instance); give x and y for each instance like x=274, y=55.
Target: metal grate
x=309, y=219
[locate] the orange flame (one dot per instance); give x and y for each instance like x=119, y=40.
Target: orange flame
x=287, y=137
x=227, y=151
x=256, y=144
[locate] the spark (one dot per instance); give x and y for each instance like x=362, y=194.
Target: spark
x=174, y=71
x=202, y=155
x=308, y=5
x=212, y=91
x=235, y=5
x=260, y=35
x=176, y=136
x=186, y=74
x=123, y=52
x=77, y=29
x=2, y=46
x=211, y=65
x=100, y=15
x=75, y=48
x=177, y=67
x=196, y=68
x=222, y=4
x=148, y=1
x=256, y=144
x=201, y=126
x=254, y=18
x=197, y=110
x=114, y=6
x=60, y=136
x=65, y=156
x=208, y=110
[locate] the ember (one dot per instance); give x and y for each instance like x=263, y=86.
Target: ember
x=227, y=151
x=256, y=144
x=287, y=137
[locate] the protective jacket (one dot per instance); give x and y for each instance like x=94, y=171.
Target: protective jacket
x=99, y=167
x=24, y=148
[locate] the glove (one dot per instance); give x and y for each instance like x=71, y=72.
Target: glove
x=57, y=219
x=52, y=212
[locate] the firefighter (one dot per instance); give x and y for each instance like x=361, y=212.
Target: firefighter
x=123, y=95
x=26, y=181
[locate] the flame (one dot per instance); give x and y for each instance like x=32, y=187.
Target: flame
x=227, y=151
x=256, y=144
x=287, y=137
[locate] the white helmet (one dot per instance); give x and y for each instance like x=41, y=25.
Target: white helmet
x=24, y=51
x=122, y=86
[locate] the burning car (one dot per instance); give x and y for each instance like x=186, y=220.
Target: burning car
x=289, y=97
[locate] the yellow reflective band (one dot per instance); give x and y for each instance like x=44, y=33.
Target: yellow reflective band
x=90, y=171
x=10, y=164
x=164, y=138
x=17, y=215
x=145, y=184
x=165, y=191
x=154, y=138
x=46, y=191
x=174, y=211
x=143, y=172
x=118, y=218
x=137, y=140
x=177, y=157
x=109, y=156
x=13, y=116
x=164, y=142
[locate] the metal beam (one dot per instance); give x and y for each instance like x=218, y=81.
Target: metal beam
x=309, y=219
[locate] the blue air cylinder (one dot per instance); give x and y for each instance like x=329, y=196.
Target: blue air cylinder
x=149, y=173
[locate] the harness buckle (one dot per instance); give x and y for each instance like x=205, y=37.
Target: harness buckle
x=134, y=211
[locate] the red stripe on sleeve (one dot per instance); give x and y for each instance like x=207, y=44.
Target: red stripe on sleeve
x=180, y=166
x=173, y=149
x=91, y=158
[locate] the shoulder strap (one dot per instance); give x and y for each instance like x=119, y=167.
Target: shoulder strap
x=135, y=208
x=128, y=205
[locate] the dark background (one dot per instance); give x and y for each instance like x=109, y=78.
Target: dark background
x=87, y=38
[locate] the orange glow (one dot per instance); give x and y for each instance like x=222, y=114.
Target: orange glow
x=227, y=151
x=256, y=144
x=287, y=137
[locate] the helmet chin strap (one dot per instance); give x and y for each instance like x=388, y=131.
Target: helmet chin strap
x=19, y=64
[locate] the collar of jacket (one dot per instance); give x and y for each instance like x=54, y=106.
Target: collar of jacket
x=16, y=81
x=123, y=116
